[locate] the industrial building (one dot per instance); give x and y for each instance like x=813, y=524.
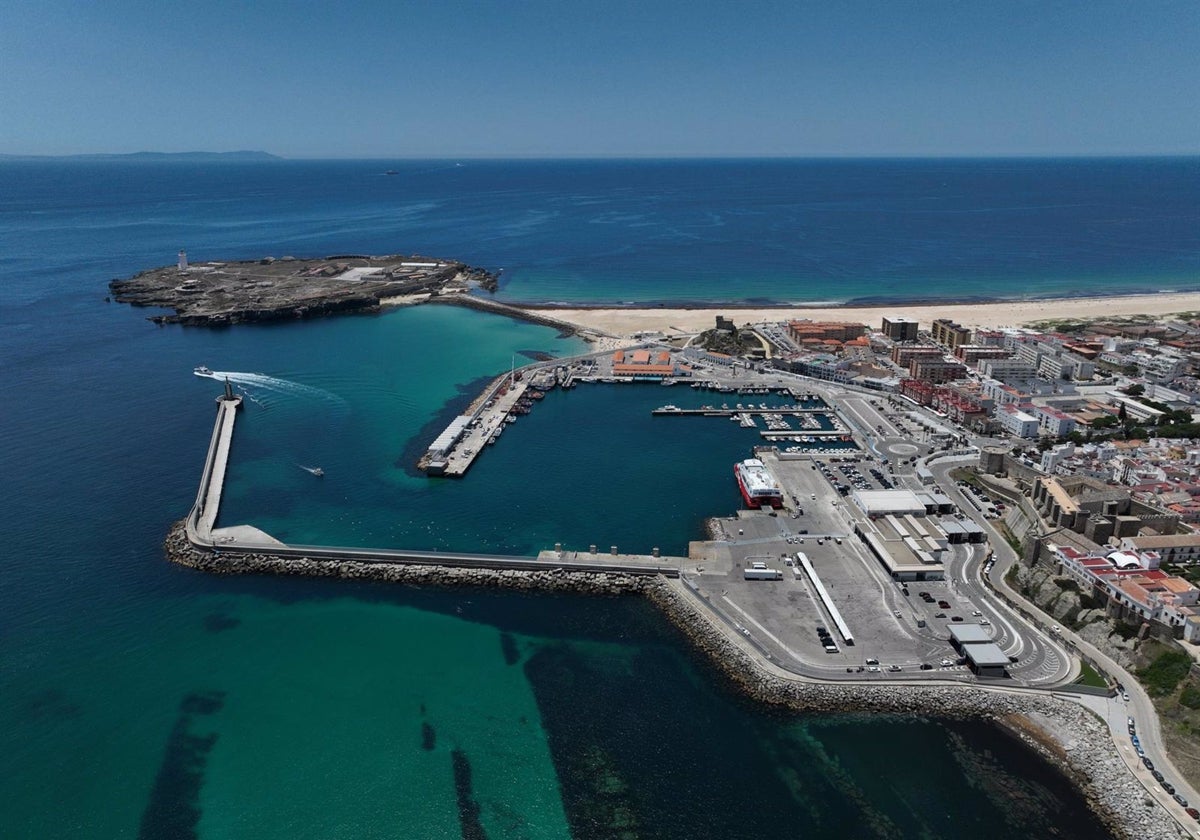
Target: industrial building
x=910, y=548
x=983, y=655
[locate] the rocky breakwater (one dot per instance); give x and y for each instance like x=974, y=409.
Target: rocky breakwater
x=223, y=293
x=1065, y=733
x=179, y=550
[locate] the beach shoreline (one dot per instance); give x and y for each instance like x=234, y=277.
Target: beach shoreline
x=626, y=320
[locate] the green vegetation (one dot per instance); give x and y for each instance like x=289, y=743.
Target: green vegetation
x=1062, y=325
x=740, y=342
x=1178, y=430
x=1163, y=675
x=1010, y=577
x=1090, y=676
x=1190, y=573
x=1190, y=695
x=1126, y=630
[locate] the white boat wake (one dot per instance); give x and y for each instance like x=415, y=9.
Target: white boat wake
x=271, y=385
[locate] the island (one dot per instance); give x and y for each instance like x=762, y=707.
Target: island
x=286, y=288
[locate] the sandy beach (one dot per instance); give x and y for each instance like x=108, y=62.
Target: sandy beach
x=623, y=322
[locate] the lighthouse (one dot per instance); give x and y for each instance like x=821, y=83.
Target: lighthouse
x=182, y=260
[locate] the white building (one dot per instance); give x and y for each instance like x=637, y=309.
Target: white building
x=1053, y=422
x=1016, y=422
x=1007, y=369
x=1053, y=457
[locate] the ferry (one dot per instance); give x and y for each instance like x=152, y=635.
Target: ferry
x=202, y=371
x=756, y=484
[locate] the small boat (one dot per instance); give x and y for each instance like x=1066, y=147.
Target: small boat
x=202, y=371
x=317, y=471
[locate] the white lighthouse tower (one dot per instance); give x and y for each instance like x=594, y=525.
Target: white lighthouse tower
x=182, y=260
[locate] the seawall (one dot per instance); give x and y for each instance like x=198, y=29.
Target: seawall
x=484, y=305
x=179, y=549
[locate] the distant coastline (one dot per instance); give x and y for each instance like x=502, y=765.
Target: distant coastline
x=135, y=157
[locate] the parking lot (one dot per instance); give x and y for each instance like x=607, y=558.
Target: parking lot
x=889, y=622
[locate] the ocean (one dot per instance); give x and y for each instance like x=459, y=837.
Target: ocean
x=138, y=699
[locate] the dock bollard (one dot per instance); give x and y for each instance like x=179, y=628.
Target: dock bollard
x=592, y=548
x=613, y=551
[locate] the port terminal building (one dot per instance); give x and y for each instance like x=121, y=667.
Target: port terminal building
x=983, y=655
x=896, y=531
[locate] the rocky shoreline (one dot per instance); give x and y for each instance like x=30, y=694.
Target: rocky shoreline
x=1065, y=734
x=269, y=289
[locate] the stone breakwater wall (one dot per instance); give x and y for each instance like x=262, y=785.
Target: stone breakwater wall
x=179, y=550
x=1064, y=733
x=496, y=307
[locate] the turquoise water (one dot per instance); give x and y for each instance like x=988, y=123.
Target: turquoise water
x=138, y=699
x=587, y=466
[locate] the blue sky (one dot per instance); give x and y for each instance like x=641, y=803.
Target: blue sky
x=453, y=78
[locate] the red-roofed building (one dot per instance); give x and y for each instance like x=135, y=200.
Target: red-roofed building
x=1132, y=583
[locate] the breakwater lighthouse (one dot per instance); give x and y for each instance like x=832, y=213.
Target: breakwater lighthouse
x=182, y=260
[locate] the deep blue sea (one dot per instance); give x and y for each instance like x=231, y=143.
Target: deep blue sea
x=142, y=700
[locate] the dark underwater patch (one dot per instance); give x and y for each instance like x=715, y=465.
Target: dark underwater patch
x=508, y=646
x=173, y=810
x=468, y=808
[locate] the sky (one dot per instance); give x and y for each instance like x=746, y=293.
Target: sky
x=550, y=78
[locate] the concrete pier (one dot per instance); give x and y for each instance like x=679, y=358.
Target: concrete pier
x=212, y=481
x=483, y=426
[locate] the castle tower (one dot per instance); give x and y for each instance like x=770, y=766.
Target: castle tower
x=182, y=260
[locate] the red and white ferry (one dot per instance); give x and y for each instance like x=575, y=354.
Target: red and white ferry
x=757, y=486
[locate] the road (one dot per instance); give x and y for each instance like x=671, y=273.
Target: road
x=1114, y=711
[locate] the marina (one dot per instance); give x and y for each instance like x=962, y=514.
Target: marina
x=515, y=394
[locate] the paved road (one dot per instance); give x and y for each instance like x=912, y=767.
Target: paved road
x=1114, y=710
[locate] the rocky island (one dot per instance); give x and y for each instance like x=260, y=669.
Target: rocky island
x=287, y=288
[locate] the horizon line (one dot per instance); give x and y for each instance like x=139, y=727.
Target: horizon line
x=12, y=156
